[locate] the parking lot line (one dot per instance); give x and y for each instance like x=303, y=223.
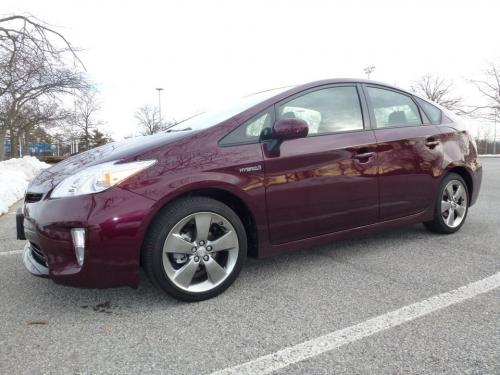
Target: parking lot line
x=11, y=252
x=308, y=349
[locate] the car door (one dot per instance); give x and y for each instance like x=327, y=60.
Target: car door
x=327, y=181
x=408, y=152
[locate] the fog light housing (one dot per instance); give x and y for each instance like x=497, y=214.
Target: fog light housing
x=78, y=236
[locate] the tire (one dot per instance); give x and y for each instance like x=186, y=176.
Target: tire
x=446, y=206
x=182, y=254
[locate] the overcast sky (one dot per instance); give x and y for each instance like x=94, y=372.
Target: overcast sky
x=204, y=52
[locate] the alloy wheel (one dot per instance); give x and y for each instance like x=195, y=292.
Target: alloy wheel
x=200, y=252
x=454, y=203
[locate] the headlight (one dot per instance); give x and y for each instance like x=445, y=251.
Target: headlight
x=98, y=178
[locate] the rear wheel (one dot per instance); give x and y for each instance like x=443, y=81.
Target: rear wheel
x=195, y=248
x=451, y=205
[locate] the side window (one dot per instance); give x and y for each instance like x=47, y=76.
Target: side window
x=250, y=131
x=392, y=109
x=434, y=113
x=330, y=110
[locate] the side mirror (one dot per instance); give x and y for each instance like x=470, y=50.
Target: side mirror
x=290, y=128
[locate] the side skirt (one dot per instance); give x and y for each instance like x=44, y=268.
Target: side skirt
x=303, y=244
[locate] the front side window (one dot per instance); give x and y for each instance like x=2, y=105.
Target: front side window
x=433, y=113
x=392, y=109
x=329, y=110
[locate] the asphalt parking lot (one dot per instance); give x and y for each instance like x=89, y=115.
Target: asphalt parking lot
x=275, y=303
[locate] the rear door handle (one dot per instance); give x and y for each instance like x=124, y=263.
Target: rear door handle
x=364, y=155
x=431, y=144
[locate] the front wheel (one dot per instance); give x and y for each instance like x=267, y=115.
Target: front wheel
x=451, y=205
x=195, y=248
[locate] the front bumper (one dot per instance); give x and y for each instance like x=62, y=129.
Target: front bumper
x=33, y=263
x=115, y=222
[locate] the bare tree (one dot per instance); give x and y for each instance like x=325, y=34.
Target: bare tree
x=86, y=108
x=439, y=90
x=489, y=87
x=148, y=119
x=98, y=138
x=33, y=67
x=37, y=117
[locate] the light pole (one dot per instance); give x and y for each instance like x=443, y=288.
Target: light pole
x=159, y=89
x=495, y=132
x=369, y=70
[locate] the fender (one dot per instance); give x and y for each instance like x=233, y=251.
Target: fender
x=251, y=193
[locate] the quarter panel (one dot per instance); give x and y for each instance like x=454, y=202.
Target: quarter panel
x=459, y=151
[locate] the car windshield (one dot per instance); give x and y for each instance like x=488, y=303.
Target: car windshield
x=210, y=118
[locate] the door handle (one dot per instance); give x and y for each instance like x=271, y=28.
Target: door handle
x=431, y=144
x=364, y=155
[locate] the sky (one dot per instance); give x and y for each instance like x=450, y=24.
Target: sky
x=203, y=53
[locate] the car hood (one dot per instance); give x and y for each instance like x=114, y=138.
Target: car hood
x=121, y=150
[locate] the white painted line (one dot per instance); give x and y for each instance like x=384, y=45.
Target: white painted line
x=11, y=252
x=308, y=349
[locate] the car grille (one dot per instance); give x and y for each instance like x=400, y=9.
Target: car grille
x=38, y=255
x=33, y=197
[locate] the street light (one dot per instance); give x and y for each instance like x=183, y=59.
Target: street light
x=159, y=89
x=369, y=70
x=495, y=132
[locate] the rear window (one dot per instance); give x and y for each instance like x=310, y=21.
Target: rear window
x=433, y=113
x=392, y=109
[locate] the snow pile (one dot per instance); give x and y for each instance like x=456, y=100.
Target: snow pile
x=15, y=175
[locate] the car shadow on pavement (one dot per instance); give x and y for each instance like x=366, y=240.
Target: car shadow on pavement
x=256, y=271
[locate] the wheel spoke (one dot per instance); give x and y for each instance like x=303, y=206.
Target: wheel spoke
x=184, y=275
x=227, y=241
x=214, y=271
x=458, y=194
x=176, y=244
x=449, y=191
x=451, y=217
x=445, y=206
x=203, y=221
x=460, y=210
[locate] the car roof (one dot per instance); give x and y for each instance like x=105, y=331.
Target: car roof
x=345, y=80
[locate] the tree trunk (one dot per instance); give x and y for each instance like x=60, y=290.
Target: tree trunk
x=3, y=132
x=24, y=144
x=14, y=145
x=87, y=136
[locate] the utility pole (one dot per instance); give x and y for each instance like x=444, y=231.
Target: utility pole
x=369, y=70
x=159, y=89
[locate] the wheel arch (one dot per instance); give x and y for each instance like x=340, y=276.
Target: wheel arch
x=466, y=175
x=232, y=200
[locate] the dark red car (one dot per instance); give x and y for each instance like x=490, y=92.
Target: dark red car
x=276, y=171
